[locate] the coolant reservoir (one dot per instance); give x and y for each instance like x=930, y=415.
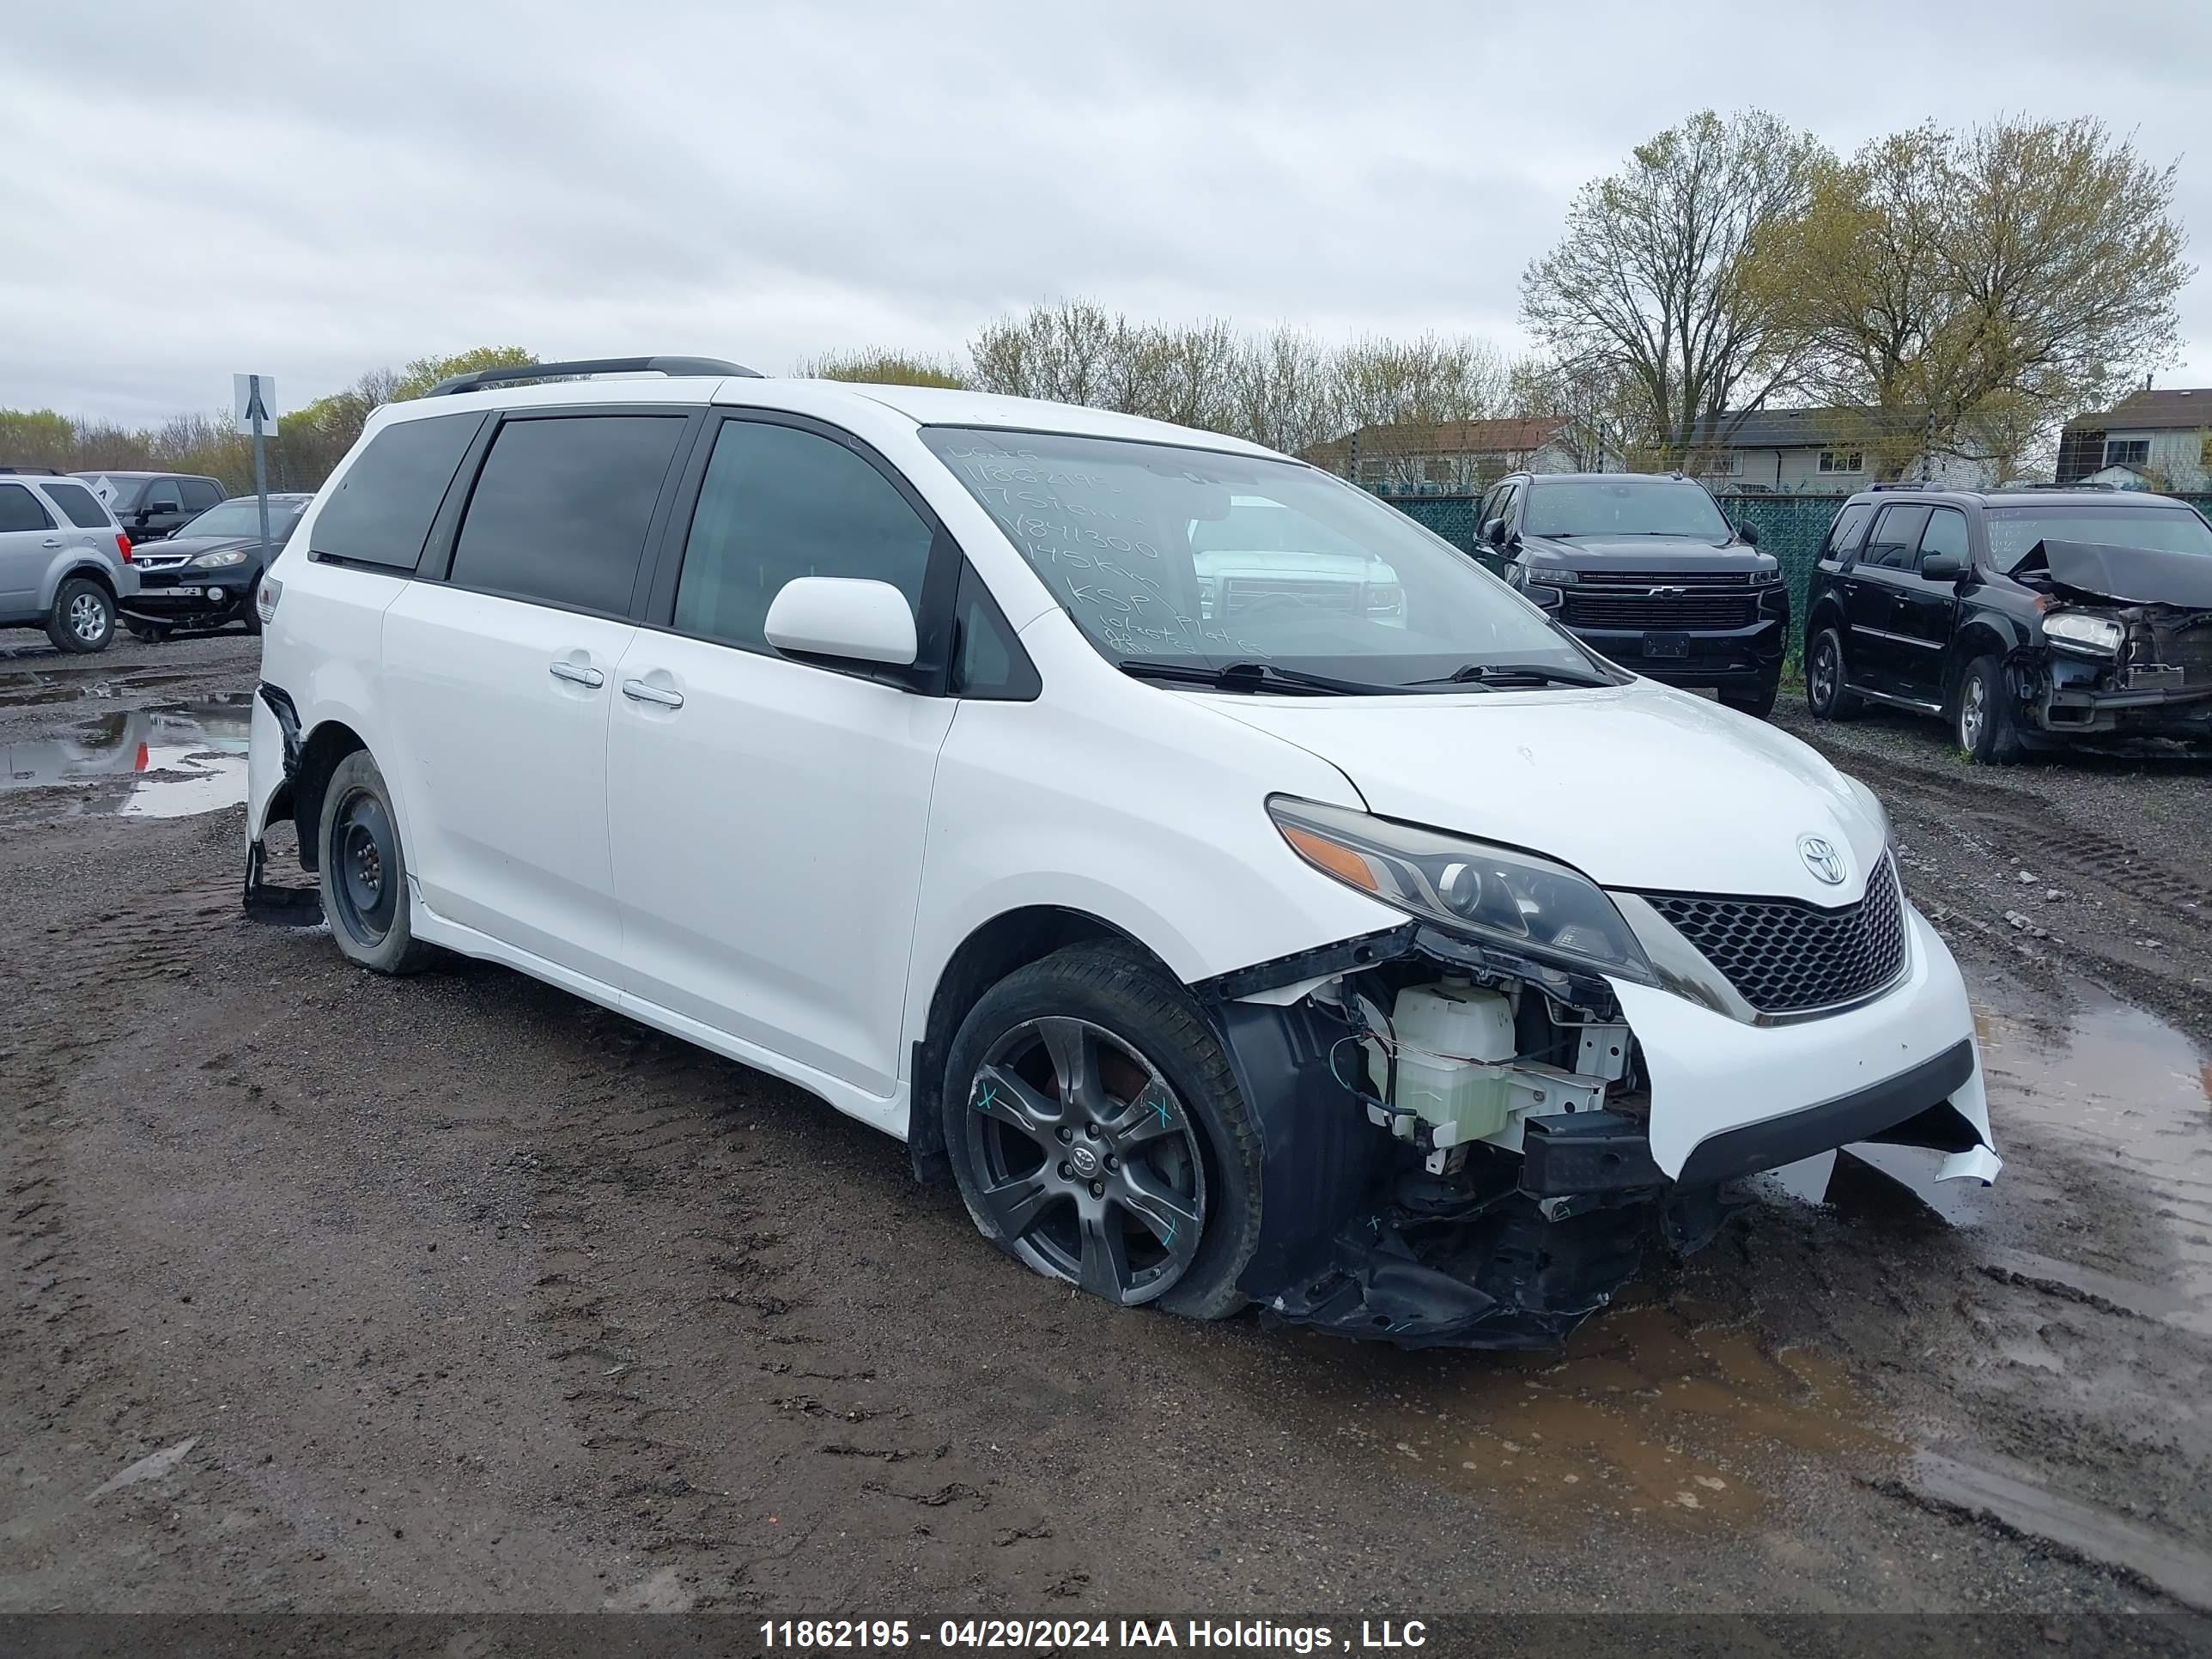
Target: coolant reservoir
x=1453, y=1042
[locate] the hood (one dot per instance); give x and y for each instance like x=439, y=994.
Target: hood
x=2132, y=575
x=1637, y=786
x=192, y=547
x=1653, y=553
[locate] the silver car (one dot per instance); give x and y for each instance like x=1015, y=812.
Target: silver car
x=65, y=561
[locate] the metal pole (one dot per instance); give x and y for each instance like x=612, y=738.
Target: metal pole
x=260, y=466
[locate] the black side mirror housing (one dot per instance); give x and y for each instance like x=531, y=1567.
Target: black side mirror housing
x=1942, y=567
x=1493, y=531
x=1748, y=534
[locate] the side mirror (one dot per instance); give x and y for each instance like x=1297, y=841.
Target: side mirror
x=1493, y=533
x=843, y=620
x=1748, y=534
x=1942, y=567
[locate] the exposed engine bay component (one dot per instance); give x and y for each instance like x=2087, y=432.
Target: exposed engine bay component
x=1482, y=1141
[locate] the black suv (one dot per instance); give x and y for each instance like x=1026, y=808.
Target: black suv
x=1647, y=570
x=152, y=505
x=2021, y=615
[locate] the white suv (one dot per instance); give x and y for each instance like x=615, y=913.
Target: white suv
x=1403, y=968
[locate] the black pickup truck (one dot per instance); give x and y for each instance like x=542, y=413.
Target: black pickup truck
x=1646, y=569
x=2025, y=617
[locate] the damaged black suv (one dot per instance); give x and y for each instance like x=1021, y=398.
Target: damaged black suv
x=2025, y=616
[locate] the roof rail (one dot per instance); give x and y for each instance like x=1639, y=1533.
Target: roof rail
x=1907, y=483
x=43, y=471
x=2083, y=483
x=476, y=379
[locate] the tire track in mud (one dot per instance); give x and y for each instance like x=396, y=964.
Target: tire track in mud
x=732, y=1413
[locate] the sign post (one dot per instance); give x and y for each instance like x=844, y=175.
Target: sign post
x=255, y=396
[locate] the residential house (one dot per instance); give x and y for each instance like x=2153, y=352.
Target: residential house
x=1814, y=451
x=2153, y=439
x=1450, y=458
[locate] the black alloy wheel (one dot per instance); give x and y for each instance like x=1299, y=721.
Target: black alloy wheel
x=1086, y=1159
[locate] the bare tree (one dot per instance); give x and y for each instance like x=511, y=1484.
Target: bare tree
x=1653, y=279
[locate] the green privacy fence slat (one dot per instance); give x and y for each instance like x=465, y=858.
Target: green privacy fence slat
x=1790, y=527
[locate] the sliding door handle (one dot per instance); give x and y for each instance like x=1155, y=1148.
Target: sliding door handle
x=659, y=696
x=575, y=673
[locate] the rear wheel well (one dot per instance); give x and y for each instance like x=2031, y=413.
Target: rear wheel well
x=319, y=755
x=91, y=573
x=987, y=955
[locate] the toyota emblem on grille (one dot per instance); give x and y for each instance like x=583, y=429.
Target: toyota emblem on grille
x=1822, y=859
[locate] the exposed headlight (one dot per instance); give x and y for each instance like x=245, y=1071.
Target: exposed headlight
x=218, y=560
x=1494, y=894
x=1556, y=577
x=2075, y=632
x=1765, y=578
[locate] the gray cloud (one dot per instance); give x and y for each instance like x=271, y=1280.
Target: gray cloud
x=314, y=195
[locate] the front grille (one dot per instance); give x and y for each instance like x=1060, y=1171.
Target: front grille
x=1659, y=611
x=1640, y=579
x=1785, y=956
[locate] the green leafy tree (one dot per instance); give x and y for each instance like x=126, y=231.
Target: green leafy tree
x=882, y=367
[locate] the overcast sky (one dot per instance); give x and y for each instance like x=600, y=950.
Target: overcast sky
x=247, y=186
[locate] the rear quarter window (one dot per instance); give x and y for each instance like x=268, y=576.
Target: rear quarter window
x=21, y=510
x=381, y=511
x=78, y=505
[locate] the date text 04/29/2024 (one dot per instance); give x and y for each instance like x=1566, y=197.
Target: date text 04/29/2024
x=1061, y=1635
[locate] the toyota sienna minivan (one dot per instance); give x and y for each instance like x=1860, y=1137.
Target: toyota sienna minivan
x=1402, y=967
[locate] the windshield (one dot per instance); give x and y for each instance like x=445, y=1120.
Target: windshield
x=1623, y=507
x=241, y=516
x=1164, y=553
x=2014, y=531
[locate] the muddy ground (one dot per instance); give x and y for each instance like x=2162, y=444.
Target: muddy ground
x=468, y=1296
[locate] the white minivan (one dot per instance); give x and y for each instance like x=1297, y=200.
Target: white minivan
x=1399, y=966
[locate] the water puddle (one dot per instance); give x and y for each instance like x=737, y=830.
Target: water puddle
x=172, y=760
x=1660, y=1412
x=24, y=689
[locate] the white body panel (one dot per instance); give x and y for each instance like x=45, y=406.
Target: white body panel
x=503, y=766
x=760, y=830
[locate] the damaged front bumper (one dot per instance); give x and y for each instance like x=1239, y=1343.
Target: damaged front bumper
x=1512, y=1241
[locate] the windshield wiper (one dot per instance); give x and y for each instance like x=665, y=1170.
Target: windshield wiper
x=1520, y=673
x=1246, y=677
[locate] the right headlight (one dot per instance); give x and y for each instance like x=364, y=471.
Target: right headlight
x=2076, y=632
x=1493, y=895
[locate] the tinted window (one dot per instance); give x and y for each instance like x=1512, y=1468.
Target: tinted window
x=163, y=495
x=560, y=511
x=2014, y=531
x=987, y=660
x=78, y=504
x=1896, y=533
x=778, y=503
x=1850, y=523
x=1946, y=533
x=381, y=510
x=199, y=494
x=20, y=510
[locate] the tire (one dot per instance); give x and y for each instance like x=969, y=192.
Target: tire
x=1100, y=1195
x=1758, y=704
x=150, y=633
x=363, y=873
x=83, y=616
x=252, y=618
x=1981, y=715
x=1825, y=694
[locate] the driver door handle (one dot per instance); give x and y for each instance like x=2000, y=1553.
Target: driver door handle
x=52, y=541
x=639, y=691
x=575, y=673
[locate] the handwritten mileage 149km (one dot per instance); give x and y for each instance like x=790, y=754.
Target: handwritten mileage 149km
x=1065, y=1635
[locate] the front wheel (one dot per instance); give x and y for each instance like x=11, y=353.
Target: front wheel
x=1982, y=716
x=363, y=872
x=1825, y=694
x=83, y=616
x=1098, y=1135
